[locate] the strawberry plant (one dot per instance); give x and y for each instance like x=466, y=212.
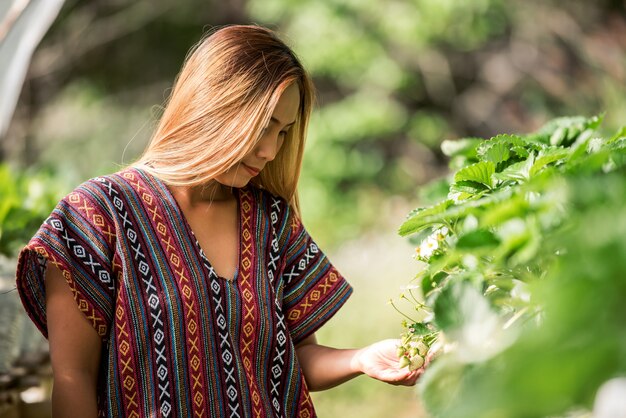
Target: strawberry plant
x=522, y=255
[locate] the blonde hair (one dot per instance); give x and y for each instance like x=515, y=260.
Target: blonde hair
x=223, y=98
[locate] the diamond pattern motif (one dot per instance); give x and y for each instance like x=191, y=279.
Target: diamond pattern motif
x=251, y=310
x=125, y=357
x=188, y=301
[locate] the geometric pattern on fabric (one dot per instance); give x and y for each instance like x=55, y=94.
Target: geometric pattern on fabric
x=234, y=409
x=278, y=361
x=151, y=294
x=178, y=341
x=251, y=311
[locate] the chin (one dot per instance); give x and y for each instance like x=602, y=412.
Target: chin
x=241, y=184
x=237, y=183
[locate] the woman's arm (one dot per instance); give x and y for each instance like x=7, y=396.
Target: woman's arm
x=326, y=367
x=74, y=351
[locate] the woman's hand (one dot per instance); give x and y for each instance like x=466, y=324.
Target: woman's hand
x=326, y=367
x=380, y=361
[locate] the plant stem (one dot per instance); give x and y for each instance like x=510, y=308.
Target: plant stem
x=400, y=312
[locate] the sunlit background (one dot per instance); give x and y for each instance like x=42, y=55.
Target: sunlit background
x=394, y=79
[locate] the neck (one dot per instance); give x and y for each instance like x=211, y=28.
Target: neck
x=206, y=193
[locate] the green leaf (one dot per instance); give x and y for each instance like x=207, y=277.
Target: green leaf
x=417, y=238
x=618, y=145
x=440, y=383
x=583, y=147
x=448, y=212
x=422, y=218
x=516, y=206
x=419, y=328
x=480, y=172
x=517, y=172
x=620, y=134
x=458, y=305
x=590, y=163
x=427, y=285
x=477, y=239
x=521, y=151
x=431, y=281
x=548, y=157
x=565, y=131
x=498, y=149
x=434, y=192
x=467, y=186
x=439, y=277
x=448, y=315
x=559, y=135
x=508, y=139
x=594, y=122
x=618, y=156
x=496, y=152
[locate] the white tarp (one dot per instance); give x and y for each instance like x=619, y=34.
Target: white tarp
x=22, y=25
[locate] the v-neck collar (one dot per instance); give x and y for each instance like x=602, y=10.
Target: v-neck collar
x=169, y=196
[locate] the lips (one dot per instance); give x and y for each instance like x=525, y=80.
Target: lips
x=252, y=170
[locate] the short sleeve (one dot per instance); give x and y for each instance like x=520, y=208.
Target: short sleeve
x=78, y=238
x=313, y=289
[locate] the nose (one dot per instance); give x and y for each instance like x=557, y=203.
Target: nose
x=267, y=147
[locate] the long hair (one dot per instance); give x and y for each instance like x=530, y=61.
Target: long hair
x=222, y=99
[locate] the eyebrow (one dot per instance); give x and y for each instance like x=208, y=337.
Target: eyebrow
x=273, y=119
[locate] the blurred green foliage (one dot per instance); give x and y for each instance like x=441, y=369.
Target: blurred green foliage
x=524, y=265
x=26, y=200
x=397, y=77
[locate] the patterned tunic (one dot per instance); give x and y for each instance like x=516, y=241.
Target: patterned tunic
x=178, y=341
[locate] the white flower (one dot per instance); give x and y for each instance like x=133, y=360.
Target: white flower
x=426, y=249
x=441, y=233
x=429, y=245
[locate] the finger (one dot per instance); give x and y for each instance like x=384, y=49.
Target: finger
x=396, y=377
x=411, y=379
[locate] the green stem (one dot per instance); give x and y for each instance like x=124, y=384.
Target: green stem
x=417, y=301
x=431, y=338
x=400, y=312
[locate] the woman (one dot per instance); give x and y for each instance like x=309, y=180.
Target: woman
x=198, y=289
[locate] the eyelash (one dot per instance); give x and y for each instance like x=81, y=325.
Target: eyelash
x=282, y=134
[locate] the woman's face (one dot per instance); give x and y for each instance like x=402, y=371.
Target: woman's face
x=269, y=144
